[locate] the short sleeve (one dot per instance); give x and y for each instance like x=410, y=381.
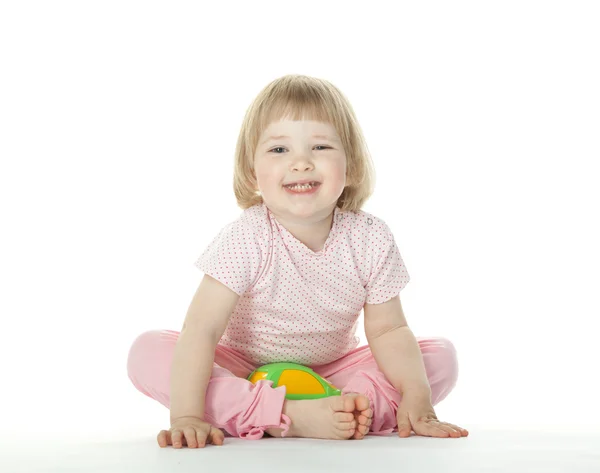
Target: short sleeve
x=389, y=275
x=233, y=257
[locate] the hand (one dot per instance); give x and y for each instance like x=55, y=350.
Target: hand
x=190, y=431
x=416, y=412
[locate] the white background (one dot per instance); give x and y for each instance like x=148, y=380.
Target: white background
x=118, y=123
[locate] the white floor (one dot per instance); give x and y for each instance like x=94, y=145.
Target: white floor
x=485, y=450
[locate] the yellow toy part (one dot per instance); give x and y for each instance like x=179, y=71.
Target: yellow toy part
x=257, y=375
x=300, y=382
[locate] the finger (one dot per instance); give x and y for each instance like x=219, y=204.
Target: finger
x=447, y=428
x=217, y=437
x=190, y=437
x=429, y=429
x=176, y=438
x=161, y=438
x=452, y=429
x=201, y=437
x=404, y=425
x=463, y=432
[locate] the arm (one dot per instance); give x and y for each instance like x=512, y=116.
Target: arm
x=395, y=348
x=194, y=355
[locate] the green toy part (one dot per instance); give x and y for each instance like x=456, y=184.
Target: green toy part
x=300, y=381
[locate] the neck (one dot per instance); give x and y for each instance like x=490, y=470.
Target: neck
x=313, y=233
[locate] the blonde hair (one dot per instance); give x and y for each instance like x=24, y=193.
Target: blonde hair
x=300, y=97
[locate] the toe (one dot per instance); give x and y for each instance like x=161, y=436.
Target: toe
x=346, y=425
x=342, y=403
x=363, y=420
x=361, y=432
x=362, y=402
x=348, y=403
x=343, y=416
x=345, y=433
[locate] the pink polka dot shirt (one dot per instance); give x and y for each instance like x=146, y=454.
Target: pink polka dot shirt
x=295, y=304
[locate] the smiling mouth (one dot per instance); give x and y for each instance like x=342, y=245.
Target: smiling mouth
x=308, y=185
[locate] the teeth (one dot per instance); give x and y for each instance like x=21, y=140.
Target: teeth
x=301, y=187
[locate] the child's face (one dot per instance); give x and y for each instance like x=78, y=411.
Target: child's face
x=300, y=156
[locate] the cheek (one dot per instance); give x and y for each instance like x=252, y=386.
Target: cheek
x=339, y=174
x=340, y=181
x=264, y=175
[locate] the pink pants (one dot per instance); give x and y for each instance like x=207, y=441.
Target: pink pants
x=246, y=410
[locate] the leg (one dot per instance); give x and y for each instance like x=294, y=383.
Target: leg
x=358, y=372
x=232, y=403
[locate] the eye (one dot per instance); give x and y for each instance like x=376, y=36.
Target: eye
x=317, y=146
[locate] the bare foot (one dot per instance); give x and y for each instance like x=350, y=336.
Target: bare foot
x=363, y=415
x=325, y=418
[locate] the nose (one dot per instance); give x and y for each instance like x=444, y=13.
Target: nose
x=301, y=163
x=302, y=167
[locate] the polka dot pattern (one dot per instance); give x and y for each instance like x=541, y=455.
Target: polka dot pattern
x=295, y=304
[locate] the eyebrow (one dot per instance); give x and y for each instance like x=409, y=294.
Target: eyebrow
x=324, y=137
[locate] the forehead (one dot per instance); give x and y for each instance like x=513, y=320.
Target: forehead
x=300, y=126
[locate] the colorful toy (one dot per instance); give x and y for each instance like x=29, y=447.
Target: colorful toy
x=300, y=382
